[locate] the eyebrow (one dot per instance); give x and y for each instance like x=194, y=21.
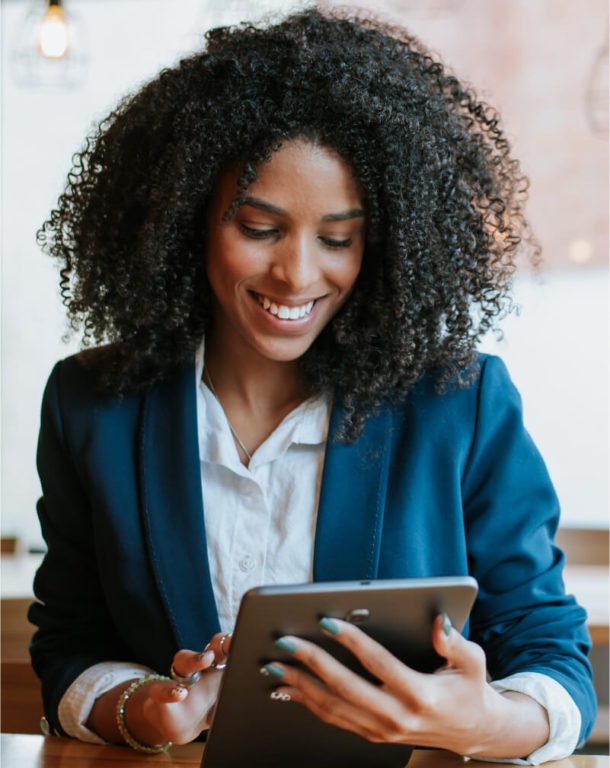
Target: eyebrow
x=262, y=205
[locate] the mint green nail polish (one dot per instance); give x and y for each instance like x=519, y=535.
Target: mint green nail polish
x=286, y=645
x=272, y=670
x=447, y=625
x=330, y=625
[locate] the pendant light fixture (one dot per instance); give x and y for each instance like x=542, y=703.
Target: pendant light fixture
x=54, y=32
x=49, y=47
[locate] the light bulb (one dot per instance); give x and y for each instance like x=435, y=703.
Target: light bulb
x=49, y=47
x=54, y=34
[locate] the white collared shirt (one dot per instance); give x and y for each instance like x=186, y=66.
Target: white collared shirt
x=260, y=525
x=260, y=521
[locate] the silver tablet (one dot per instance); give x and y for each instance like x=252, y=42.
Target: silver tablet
x=252, y=729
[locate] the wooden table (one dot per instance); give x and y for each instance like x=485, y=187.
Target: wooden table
x=21, y=751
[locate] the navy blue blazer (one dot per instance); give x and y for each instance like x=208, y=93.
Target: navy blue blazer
x=436, y=485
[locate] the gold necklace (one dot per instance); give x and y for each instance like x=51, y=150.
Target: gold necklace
x=237, y=438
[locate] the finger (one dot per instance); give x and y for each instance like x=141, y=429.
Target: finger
x=342, y=682
x=226, y=645
x=461, y=654
x=376, y=659
x=206, y=658
x=167, y=692
x=220, y=644
x=334, y=712
x=302, y=688
x=186, y=662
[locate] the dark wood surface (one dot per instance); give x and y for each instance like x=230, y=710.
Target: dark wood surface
x=21, y=708
x=27, y=751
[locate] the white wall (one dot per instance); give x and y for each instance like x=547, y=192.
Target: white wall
x=557, y=353
x=557, y=349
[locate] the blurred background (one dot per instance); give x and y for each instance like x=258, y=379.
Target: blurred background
x=543, y=63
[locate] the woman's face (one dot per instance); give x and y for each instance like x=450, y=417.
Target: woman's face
x=287, y=261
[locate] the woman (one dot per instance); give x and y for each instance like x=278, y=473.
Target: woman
x=337, y=218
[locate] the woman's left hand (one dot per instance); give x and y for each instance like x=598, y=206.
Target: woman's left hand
x=453, y=708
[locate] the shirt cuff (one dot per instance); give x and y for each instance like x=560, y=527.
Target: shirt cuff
x=77, y=702
x=564, y=715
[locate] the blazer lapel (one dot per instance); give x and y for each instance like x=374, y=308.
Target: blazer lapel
x=352, y=502
x=172, y=508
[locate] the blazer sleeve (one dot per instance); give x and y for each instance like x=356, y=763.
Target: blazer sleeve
x=75, y=629
x=522, y=617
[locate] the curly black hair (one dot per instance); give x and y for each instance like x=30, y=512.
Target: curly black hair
x=443, y=199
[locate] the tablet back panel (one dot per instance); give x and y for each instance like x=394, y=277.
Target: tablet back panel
x=251, y=729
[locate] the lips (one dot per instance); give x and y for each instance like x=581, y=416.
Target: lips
x=283, y=311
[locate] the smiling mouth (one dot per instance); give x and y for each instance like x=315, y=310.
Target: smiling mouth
x=282, y=311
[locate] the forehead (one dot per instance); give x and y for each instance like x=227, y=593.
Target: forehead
x=297, y=175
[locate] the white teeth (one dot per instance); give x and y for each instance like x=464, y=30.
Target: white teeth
x=284, y=312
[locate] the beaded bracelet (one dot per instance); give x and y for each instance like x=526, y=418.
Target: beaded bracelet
x=120, y=718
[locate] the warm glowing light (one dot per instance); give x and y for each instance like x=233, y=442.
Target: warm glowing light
x=53, y=33
x=580, y=251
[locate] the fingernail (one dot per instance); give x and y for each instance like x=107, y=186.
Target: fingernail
x=179, y=692
x=330, y=625
x=272, y=670
x=208, y=656
x=286, y=645
x=447, y=625
x=279, y=696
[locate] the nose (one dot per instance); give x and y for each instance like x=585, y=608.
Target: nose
x=295, y=263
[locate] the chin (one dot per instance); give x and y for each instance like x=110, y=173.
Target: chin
x=283, y=353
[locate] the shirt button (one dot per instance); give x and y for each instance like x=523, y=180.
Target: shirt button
x=246, y=563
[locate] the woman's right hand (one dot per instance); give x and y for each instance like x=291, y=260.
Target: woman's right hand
x=164, y=710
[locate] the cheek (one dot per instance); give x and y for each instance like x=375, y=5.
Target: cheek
x=228, y=262
x=349, y=272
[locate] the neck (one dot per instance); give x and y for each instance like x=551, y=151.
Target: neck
x=255, y=393
x=244, y=379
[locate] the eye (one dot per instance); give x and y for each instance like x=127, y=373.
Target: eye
x=256, y=234
x=329, y=242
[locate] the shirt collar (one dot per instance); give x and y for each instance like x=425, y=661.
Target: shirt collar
x=307, y=424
